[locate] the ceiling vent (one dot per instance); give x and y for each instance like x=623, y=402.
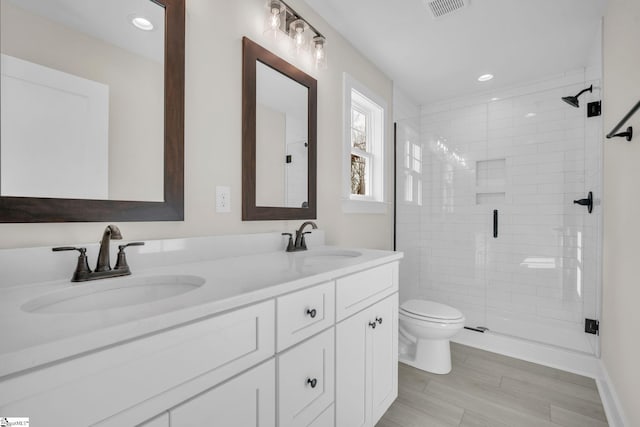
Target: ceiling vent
x=440, y=8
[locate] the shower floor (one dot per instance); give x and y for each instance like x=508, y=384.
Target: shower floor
x=488, y=389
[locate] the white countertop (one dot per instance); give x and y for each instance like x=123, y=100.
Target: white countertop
x=29, y=340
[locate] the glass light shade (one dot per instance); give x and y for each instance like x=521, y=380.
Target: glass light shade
x=299, y=33
x=273, y=19
x=320, y=52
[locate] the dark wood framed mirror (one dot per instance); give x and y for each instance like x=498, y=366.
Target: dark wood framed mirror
x=279, y=126
x=168, y=204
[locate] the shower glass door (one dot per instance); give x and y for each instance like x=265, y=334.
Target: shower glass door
x=542, y=268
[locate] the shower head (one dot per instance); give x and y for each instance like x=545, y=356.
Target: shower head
x=573, y=100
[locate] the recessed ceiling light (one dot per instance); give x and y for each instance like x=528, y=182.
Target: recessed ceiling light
x=142, y=23
x=529, y=115
x=494, y=99
x=485, y=77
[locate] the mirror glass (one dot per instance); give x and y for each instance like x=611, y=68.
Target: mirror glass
x=82, y=99
x=282, y=132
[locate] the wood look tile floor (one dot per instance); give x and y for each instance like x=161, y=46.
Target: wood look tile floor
x=488, y=389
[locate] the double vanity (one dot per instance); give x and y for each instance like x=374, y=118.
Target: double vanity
x=225, y=331
x=230, y=337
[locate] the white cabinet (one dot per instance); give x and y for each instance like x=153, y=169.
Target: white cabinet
x=245, y=401
x=367, y=364
x=325, y=419
x=306, y=380
x=138, y=380
x=159, y=421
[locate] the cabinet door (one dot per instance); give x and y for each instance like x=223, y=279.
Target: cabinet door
x=367, y=364
x=353, y=407
x=159, y=421
x=384, y=356
x=245, y=401
x=306, y=380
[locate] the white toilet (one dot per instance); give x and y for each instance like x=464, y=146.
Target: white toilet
x=425, y=330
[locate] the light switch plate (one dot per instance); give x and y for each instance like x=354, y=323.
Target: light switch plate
x=223, y=199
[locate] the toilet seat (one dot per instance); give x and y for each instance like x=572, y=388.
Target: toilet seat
x=431, y=311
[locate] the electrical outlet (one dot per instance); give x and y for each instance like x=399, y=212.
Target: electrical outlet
x=223, y=199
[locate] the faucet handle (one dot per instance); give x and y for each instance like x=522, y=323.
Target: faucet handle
x=290, y=244
x=82, y=269
x=121, y=263
x=122, y=247
x=69, y=248
x=303, y=243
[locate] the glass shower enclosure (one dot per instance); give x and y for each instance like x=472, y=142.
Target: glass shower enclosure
x=486, y=214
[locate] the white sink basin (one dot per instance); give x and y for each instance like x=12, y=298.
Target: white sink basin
x=112, y=293
x=321, y=256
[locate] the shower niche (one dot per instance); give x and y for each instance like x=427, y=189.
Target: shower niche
x=490, y=182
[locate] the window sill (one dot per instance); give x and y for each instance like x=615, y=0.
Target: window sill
x=351, y=206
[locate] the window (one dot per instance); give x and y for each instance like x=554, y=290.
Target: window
x=364, y=149
x=412, y=170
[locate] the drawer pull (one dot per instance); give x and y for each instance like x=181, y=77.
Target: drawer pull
x=373, y=324
x=312, y=382
x=379, y=320
x=312, y=313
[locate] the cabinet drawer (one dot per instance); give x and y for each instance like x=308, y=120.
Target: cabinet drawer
x=245, y=401
x=325, y=419
x=306, y=380
x=360, y=290
x=149, y=374
x=304, y=313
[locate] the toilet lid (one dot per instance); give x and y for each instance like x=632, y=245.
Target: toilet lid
x=430, y=309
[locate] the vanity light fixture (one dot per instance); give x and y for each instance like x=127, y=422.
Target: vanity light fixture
x=485, y=77
x=142, y=23
x=273, y=20
x=299, y=33
x=319, y=52
x=282, y=19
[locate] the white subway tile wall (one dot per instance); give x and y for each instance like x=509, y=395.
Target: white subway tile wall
x=527, y=155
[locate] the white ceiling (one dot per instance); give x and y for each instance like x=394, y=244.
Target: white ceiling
x=434, y=59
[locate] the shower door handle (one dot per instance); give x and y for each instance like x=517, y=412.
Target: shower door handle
x=588, y=202
x=495, y=223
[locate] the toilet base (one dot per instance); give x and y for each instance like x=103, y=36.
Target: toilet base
x=430, y=355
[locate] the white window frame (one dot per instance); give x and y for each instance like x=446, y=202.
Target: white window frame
x=375, y=108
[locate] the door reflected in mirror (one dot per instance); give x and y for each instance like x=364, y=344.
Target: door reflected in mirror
x=82, y=99
x=281, y=140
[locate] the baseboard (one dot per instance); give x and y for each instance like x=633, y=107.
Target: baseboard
x=610, y=401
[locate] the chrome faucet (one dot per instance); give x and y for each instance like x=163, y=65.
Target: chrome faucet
x=299, y=244
x=103, y=267
x=111, y=232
